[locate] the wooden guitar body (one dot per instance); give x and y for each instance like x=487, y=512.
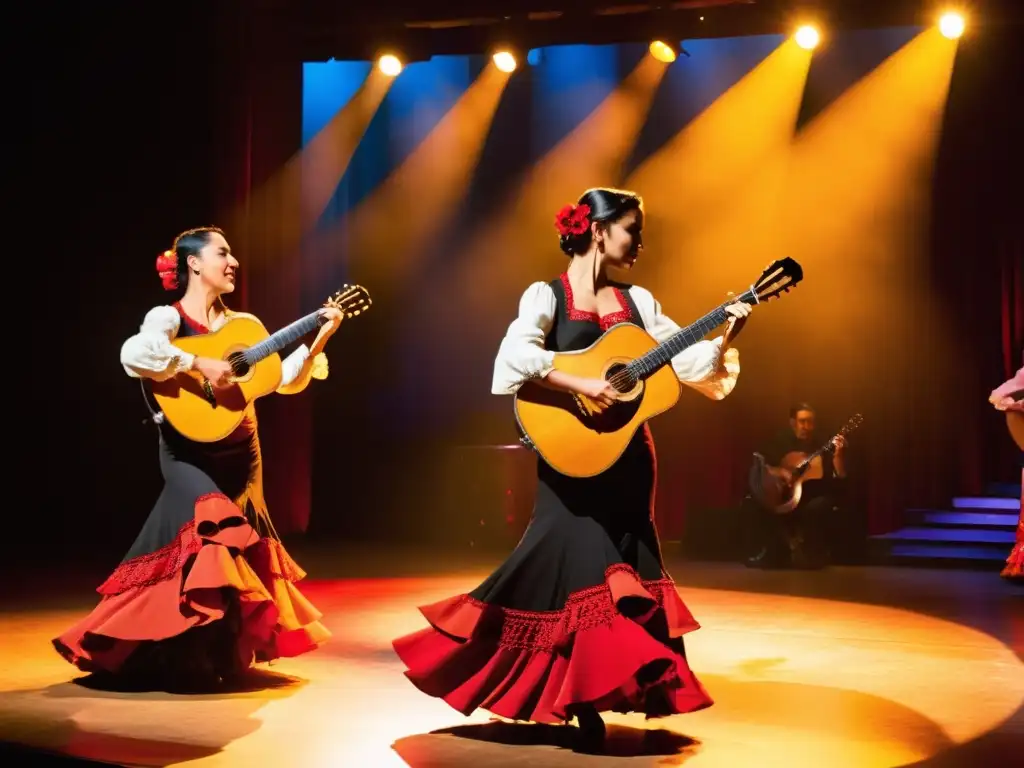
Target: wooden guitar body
x=187, y=403
x=770, y=488
x=568, y=431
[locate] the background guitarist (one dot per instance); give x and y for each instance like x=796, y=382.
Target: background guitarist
x=207, y=588
x=801, y=538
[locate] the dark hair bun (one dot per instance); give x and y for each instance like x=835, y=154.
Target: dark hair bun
x=572, y=244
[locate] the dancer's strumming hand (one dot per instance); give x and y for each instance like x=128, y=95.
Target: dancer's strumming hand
x=217, y=372
x=598, y=390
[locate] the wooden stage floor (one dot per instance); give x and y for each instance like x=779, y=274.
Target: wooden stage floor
x=864, y=667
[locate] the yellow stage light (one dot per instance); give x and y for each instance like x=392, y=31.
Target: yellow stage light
x=662, y=51
x=807, y=37
x=951, y=25
x=505, y=61
x=389, y=64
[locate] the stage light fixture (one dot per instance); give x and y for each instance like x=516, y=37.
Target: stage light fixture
x=807, y=37
x=663, y=51
x=389, y=64
x=951, y=25
x=505, y=61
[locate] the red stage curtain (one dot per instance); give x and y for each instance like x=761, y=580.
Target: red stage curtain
x=259, y=127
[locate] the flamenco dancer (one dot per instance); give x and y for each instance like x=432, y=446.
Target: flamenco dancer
x=207, y=589
x=1008, y=397
x=582, y=617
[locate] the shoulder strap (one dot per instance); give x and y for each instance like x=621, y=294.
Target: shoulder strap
x=634, y=311
x=559, y=290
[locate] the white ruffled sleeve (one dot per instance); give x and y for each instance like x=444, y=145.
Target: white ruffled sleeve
x=522, y=355
x=702, y=366
x=292, y=365
x=149, y=354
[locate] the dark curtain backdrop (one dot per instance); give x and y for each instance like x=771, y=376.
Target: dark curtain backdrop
x=259, y=128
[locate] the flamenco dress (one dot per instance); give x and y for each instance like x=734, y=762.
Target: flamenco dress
x=582, y=614
x=207, y=589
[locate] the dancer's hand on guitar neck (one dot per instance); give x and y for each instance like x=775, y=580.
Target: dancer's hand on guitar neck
x=334, y=317
x=738, y=313
x=217, y=372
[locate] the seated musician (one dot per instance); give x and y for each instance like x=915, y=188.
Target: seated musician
x=800, y=538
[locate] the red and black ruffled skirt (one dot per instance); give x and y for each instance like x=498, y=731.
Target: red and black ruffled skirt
x=206, y=590
x=581, y=614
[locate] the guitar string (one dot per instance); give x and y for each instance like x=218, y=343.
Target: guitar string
x=626, y=376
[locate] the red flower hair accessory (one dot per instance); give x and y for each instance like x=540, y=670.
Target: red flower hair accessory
x=167, y=268
x=573, y=220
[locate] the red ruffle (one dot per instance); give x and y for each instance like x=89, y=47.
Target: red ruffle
x=532, y=665
x=149, y=569
x=152, y=598
x=1014, y=568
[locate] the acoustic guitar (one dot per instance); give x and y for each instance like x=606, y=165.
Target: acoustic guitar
x=579, y=438
x=204, y=414
x=768, y=484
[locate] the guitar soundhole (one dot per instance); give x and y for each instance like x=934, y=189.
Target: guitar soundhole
x=620, y=378
x=239, y=365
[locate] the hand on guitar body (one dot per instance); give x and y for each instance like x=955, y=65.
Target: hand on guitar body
x=217, y=372
x=599, y=391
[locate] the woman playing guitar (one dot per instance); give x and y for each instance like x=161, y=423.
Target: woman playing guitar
x=207, y=588
x=582, y=617
x=1009, y=397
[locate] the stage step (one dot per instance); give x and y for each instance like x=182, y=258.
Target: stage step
x=969, y=518
x=987, y=502
x=988, y=558
x=979, y=531
x=952, y=536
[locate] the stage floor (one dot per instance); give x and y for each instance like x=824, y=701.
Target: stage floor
x=865, y=667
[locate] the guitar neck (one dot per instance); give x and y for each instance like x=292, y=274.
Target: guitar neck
x=686, y=337
x=828, y=447
x=278, y=341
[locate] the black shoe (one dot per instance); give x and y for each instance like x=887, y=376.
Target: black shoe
x=591, y=732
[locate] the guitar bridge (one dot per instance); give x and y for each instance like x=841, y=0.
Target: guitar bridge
x=211, y=396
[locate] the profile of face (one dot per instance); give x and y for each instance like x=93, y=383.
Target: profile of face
x=215, y=264
x=621, y=240
x=803, y=425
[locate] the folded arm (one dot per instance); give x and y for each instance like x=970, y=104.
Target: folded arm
x=522, y=356
x=150, y=353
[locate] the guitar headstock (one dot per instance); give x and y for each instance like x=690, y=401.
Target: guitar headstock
x=351, y=300
x=855, y=421
x=777, y=278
